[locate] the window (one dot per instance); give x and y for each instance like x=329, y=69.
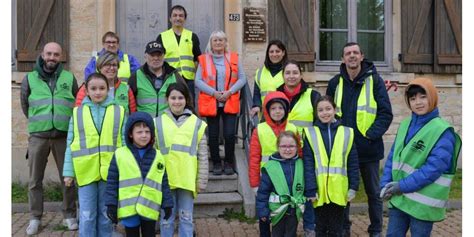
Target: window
x=364, y=21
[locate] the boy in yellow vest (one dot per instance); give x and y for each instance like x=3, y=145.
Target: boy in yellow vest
x=421, y=164
x=137, y=184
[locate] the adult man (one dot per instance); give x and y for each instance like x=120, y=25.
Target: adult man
x=128, y=63
x=150, y=82
x=363, y=104
x=182, y=46
x=47, y=99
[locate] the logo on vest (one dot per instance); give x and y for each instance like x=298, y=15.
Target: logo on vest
x=418, y=145
x=64, y=86
x=122, y=97
x=160, y=166
x=299, y=187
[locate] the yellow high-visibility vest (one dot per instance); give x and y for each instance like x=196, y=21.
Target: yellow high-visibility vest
x=180, y=55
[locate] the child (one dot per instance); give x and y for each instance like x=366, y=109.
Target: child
x=280, y=194
x=95, y=131
x=331, y=168
x=421, y=164
x=181, y=140
x=136, y=172
x=263, y=140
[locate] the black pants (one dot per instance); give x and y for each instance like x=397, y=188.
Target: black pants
x=229, y=121
x=264, y=228
x=286, y=227
x=329, y=220
x=192, y=94
x=147, y=227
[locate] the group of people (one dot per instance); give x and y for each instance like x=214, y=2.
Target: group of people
x=133, y=139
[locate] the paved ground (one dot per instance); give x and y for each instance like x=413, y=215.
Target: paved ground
x=220, y=227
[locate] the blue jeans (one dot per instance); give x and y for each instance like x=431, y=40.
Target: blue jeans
x=370, y=176
x=93, y=219
x=183, y=203
x=309, y=220
x=399, y=222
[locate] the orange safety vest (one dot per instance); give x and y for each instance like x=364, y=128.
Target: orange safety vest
x=207, y=104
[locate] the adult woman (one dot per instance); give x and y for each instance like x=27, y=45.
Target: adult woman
x=220, y=77
x=269, y=77
x=108, y=65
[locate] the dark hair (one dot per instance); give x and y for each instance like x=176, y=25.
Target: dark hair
x=137, y=124
x=183, y=89
x=351, y=44
x=288, y=133
x=412, y=91
x=96, y=75
x=110, y=34
x=179, y=7
x=291, y=62
x=281, y=46
x=321, y=99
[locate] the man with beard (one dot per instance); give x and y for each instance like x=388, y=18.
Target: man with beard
x=47, y=99
x=150, y=82
x=363, y=104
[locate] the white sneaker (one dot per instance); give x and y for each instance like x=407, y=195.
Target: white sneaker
x=33, y=227
x=70, y=224
x=309, y=233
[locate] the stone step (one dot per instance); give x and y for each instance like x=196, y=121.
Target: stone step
x=221, y=184
x=214, y=204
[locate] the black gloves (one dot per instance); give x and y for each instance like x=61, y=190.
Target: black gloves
x=167, y=212
x=112, y=213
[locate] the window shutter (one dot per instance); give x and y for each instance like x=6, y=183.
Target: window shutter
x=292, y=22
x=448, y=34
x=40, y=22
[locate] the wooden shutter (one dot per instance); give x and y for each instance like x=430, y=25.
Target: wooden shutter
x=431, y=36
x=292, y=22
x=40, y=22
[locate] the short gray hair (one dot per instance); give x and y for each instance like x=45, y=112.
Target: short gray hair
x=107, y=58
x=216, y=34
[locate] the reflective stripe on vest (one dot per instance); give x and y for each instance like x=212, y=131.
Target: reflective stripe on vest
x=301, y=115
x=430, y=202
x=136, y=196
x=180, y=56
x=179, y=146
x=331, y=174
x=366, y=104
x=280, y=201
x=50, y=110
x=92, y=151
x=148, y=100
x=207, y=103
x=268, y=140
x=266, y=82
x=124, y=68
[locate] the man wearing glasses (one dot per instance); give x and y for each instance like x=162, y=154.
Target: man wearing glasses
x=128, y=63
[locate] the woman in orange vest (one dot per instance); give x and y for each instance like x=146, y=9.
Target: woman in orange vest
x=220, y=77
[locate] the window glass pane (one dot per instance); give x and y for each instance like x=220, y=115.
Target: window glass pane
x=333, y=14
x=372, y=45
x=330, y=45
x=370, y=15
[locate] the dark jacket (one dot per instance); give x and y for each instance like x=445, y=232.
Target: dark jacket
x=266, y=185
x=111, y=191
x=369, y=148
x=438, y=161
x=314, y=94
x=50, y=79
x=328, y=133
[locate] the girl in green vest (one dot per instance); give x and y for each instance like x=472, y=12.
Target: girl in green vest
x=280, y=193
x=421, y=164
x=331, y=168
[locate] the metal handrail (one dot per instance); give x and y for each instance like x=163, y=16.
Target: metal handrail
x=247, y=123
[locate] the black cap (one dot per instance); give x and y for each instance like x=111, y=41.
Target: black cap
x=153, y=47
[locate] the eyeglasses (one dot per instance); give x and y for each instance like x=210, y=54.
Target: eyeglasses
x=287, y=147
x=111, y=65
x=111, y=42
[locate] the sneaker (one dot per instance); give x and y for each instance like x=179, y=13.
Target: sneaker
x=33, y=227
x=217, y=169
x=228, y=169
x=70, y=224
x=309, y=233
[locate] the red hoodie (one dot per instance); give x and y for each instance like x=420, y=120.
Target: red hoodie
x=256, y=148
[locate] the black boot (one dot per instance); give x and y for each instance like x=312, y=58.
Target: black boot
x=217, y=168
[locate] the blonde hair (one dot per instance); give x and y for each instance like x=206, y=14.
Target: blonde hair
x=107, y=58
x=216, y=34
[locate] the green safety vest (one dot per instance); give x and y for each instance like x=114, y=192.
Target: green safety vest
x=124, y=68
x=135, y=195
x=92, y=150
x=121, y=96
x=301, y=115
x=180, y=55
x=46, y=109
x=266, y=82
x=331, y=173
x=366, y=104
x=268, y=140
x=280, y=201
x=430, y=202
x=179, y=146
x=148, y=100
